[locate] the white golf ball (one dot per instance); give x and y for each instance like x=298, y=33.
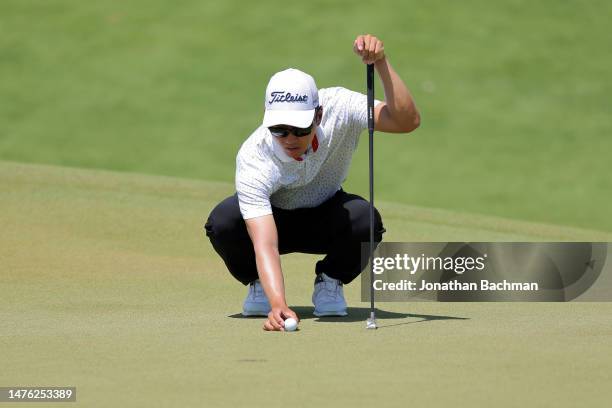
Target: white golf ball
x=290, y=324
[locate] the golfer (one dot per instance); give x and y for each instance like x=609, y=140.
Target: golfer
x=289, y=198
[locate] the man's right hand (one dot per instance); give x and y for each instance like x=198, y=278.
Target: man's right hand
x=277, y=317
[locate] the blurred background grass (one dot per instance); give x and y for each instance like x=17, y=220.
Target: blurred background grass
x=515, y=96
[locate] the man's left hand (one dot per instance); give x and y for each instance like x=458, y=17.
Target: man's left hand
x=369, y=48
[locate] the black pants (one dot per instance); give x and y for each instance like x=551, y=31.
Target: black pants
x=335, y=229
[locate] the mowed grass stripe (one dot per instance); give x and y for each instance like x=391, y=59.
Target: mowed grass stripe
x=30, y=184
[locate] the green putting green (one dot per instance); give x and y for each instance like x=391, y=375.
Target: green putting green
x=109, y=285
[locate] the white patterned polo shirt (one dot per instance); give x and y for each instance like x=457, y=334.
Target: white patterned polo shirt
x=266, y=176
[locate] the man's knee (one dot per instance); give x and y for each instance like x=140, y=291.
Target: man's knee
x=359, y=219
x=225, y=221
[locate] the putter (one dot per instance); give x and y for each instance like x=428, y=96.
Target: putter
x=371, y=322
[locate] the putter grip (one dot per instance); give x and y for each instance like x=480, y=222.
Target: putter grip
x=370, y=81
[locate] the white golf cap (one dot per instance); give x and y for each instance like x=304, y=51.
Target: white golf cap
x=291, y=99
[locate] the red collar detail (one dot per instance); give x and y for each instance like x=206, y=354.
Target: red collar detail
x=315, y=143
x=315, y=146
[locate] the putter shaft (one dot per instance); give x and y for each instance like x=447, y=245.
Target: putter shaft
x=370, y=85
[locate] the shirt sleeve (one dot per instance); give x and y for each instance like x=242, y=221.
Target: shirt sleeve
x=254, y=187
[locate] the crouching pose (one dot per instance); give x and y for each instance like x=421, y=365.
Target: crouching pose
x=289, y=198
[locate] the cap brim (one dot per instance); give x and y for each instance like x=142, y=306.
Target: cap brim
x=296, y=118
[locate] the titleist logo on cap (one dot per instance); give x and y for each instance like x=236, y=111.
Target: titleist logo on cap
x=283, y=96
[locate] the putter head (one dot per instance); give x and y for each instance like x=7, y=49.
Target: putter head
x=371, y=322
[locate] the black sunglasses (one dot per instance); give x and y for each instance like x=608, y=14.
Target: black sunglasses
x=283, y=131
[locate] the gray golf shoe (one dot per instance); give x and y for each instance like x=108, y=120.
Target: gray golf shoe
x=256, y=302
x=328, y=297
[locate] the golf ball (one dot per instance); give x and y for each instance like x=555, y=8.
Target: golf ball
x=290, y=324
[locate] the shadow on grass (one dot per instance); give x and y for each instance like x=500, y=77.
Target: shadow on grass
x=357, y=314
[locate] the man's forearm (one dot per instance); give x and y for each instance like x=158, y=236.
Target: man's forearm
x=270, y=274
x=264, y=236
x=399, y=101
